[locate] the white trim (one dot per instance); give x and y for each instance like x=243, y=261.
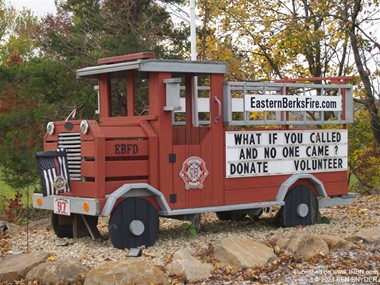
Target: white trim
x=139, y=190
x=292, y=179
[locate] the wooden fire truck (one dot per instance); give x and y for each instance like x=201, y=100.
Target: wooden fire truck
x=174, y=139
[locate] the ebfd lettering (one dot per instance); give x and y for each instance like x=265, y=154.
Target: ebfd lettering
x=126, y=148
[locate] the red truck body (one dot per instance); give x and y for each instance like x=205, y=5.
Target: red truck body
x=226, y=150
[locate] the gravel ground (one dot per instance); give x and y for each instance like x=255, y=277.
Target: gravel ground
x=358, y=266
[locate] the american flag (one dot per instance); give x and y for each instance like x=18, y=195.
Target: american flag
x=53, y=164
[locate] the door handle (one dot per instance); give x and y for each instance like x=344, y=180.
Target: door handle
x=216, y=99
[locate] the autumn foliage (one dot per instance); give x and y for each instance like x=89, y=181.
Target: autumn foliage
x=260, y=40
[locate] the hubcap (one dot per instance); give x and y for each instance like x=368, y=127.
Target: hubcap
x=302, y=210
x=136, y=227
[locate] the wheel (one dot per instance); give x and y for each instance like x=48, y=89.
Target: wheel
x=231, y=215
x=133, y=223
x=300, y=208
x=62, y=225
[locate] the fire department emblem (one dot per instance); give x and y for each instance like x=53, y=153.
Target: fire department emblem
x=194, y=172
x=60, y=184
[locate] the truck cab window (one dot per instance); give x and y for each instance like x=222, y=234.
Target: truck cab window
x=202, y=106
x=137, y=104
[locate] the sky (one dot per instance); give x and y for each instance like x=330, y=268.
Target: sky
x=39, y=7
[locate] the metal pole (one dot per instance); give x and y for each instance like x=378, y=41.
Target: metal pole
x=193, y=35
x=193, y=42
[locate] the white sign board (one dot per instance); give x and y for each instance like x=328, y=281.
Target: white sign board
x=259, y=103
x=260, y=153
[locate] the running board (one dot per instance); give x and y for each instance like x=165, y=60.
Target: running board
x=220, y=208
x=343, y=200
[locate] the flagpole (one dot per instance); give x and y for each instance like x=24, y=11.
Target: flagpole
x=193, y=42
x=193, y=35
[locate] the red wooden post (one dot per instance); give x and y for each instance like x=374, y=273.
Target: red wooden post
x=163, y=129
x=105, y=95
x=218, y=138
x=130, y=93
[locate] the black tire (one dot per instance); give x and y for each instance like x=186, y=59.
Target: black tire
x=133, y=223
x=301, y=207
x=62, y=225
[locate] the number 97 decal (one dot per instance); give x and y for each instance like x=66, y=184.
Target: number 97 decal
x=62, y=206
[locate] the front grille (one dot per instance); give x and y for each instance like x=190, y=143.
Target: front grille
x=71, y=142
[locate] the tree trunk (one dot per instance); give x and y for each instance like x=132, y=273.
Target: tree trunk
x=370, y=101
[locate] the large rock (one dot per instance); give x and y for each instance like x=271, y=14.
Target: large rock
x=304, y=245
x=335, y=242
x=130, y=271
x=243, y=253
x=15, y=267
x=371, y=235
x=189, y=267
x=63, y=273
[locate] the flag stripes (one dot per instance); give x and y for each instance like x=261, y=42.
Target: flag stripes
x=53, y=171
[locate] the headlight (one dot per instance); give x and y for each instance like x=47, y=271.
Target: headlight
x=84, y=127
x=50, y=128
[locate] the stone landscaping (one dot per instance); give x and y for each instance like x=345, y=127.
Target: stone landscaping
x=245, y=252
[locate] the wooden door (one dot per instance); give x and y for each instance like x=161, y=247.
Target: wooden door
x=198, y=157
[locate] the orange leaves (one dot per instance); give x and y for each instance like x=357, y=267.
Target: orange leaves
x=277, y=38
x=364, y=158
x=5, y=246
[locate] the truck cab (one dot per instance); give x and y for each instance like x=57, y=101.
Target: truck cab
x=174, y=139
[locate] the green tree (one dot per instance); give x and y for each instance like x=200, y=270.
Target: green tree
x=18, y=35
x=92, y=29
x=276, y=39
x=365, y=46
x=364, y=160
x=17, y=122
x=298, y=38
x=38, y=59
x=33, y=93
